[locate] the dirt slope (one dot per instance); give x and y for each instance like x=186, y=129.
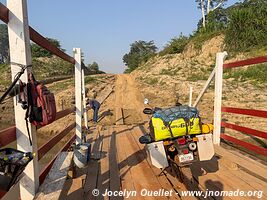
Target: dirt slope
x=129, y=98
x=164, y=78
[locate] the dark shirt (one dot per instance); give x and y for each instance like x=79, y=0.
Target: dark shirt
x=94, y=103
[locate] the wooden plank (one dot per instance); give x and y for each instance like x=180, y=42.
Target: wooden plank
x=103, y=179
x=218, y=97
x=61, y=114
x=123, y=165
x=7, y=136
x=85, y=113
x=20, y=52
x=64, y=113
x=165, y=183
x=43, y=42
x=54, y=182
x=223, y=175
x=253, y=181
x=47, y=168
x=243, y=161
x=4, y=13
x=205, y=87
x=245, y=130
x=115, y=183
x=13, y=193
x=250, y=112
x=105, y=94
x=78, y=94
x=53, y=141
x=119, y=116
x=242, y=63
x=93, y=165
x=247, y=145
x=143, y=177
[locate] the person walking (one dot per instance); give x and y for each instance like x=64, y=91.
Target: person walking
x=95, y=105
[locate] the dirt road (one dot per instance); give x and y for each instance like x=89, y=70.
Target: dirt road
x=129, y=99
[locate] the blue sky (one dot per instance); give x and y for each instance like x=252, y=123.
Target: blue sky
x=104, y=29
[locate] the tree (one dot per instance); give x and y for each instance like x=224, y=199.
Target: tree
x=93, y=67
x=207, y=6
x=38, y=51
x=140, y=52
x=4, y=47
x=247, y=28
x=216, y=20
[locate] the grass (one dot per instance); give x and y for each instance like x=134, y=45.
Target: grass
x=5, y=75
x=43, y=68
x=166, y=72
x=89, y=79
x=60, y=86
x=171, y=71
x=151, y=81
x=197, y=77
x=200, y=38
x=257, y=74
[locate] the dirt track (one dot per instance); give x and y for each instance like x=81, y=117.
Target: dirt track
x=129, y=98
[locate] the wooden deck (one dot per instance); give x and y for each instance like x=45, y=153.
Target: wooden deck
x=120, y=163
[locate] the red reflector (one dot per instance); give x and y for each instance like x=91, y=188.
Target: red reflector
x=181, y=141
x=185, y=151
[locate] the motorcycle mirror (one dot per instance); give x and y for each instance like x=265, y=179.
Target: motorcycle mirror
x=148, y=111
x=146, y=101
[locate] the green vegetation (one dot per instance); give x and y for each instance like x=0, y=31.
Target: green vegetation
x=89, y=79
x=45, y=65
x=170, y=71
x=151, y=81
x=51, y=67
x=140, y=52
x=93, y=67
x=256, y=73
x=197, y=76
x=62, y=86
x=243, y=24
x=176, y=45
x=4, y=52
x=166, y=72
x=70, y=82
x=38, y=51
x=5, y=74
x=247, y=26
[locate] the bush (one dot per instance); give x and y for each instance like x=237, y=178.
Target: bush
x=176, y=45
x=215, y=21
x=247, y=27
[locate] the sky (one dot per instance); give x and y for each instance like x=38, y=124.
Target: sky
x=104, y=29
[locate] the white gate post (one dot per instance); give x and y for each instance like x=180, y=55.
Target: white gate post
x=85, y=116
x=218, y=96
x=190, y=96
x=20, y=52
x=78, y=93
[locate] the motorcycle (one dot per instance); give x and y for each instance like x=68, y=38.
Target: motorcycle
x=177, y=153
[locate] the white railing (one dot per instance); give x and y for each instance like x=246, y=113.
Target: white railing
x=20, y=33
x=217, y=72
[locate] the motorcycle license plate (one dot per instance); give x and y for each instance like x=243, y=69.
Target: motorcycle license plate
x=186, y=157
